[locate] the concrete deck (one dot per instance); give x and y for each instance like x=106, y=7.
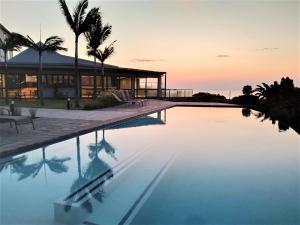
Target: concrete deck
x=58, y=124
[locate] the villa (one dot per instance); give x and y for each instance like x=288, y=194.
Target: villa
x=58, y=77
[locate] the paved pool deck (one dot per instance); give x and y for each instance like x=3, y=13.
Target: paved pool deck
x=55, y=125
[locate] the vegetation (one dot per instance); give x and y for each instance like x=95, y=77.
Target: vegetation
x=96, y=36
x=207, y=97
x=278, y=101
x=80, y=22
x=53, y=43
x=103, y=55
x=101, y=102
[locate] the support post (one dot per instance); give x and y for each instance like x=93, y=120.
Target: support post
x=146, y=90
x=165, y=85
x=159, y=87
x=133, y=86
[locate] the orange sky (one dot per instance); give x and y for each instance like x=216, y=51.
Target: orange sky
x=200, y=44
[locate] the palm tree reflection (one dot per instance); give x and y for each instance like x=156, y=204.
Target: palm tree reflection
x=282, y=126
x=12, y=163
x=55, y=164
x=94, y=168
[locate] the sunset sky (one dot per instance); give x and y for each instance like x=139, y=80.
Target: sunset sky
x=200, y=44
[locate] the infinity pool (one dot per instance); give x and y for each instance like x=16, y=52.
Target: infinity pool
x=180, y=166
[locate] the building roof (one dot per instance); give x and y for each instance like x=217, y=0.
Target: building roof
x=30, y=58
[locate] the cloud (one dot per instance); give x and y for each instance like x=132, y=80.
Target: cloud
x=147, y=60
x=267, y=49
x=223, y=56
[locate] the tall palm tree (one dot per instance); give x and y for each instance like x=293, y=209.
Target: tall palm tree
x=52, y=44
x=102, y=56
x=95, y=37
x=79, y=22
x=13, y=42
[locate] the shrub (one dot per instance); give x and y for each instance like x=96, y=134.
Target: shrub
x=101, y=102
x=207, y=97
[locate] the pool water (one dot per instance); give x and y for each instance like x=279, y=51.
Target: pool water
x=183, y=165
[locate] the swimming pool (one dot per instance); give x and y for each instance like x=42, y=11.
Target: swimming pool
x=184, y=165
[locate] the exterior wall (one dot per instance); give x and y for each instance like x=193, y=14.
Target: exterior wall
x=59, y=93
x=3, y=36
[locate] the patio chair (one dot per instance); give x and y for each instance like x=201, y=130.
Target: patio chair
x=123, y=100
x=130, y=97
x=17, y=120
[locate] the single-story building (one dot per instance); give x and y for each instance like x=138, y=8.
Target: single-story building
x=58, y=77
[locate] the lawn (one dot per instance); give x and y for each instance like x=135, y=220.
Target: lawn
x=49, y=104
x=86, y=104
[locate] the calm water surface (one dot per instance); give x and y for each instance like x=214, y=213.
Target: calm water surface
x=180, y=166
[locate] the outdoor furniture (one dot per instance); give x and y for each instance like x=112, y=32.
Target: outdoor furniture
x=124, y=100
x=129, y=96
x=17, y=120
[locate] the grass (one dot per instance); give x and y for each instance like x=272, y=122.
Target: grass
x=49, y=104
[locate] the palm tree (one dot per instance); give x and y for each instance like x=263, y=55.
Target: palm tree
x=95, y=37
x=79, y=23
x=262, y=91
x=53, y=43
x=13, y=42
x=102, y=56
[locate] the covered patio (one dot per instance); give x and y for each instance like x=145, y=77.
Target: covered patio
x=58, y=79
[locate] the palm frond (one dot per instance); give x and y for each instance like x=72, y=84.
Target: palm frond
x=67, y=14
x=79, y=13
x=89, y=20
x=106, y=32
x=54, y=43
x=106, y=53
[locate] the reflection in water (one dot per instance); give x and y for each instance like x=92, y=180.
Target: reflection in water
x=246, y=112
x=13, y=163
x=282, y=126
x=55, y=164
x=143, y=121
x=94, y=168
x=103, y=144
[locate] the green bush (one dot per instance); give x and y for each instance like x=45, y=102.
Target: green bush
x=208, y=97
x=101, y=102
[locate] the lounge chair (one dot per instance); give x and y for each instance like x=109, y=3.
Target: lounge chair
x=123, y=100
x=129, y=97
x=17, y=120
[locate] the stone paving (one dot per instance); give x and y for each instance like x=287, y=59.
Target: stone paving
x=57, y=124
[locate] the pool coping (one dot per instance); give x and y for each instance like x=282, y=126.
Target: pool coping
x=110, y=122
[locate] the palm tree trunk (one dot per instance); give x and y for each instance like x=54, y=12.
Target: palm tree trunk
x=102, y=77
x=77, y=77
x=106, y=82
x=40, y=86
x=95, y=79
x=6, y=80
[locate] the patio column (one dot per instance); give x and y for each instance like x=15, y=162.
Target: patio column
x=133, y=85
x=159, y=87
x=165, y=85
